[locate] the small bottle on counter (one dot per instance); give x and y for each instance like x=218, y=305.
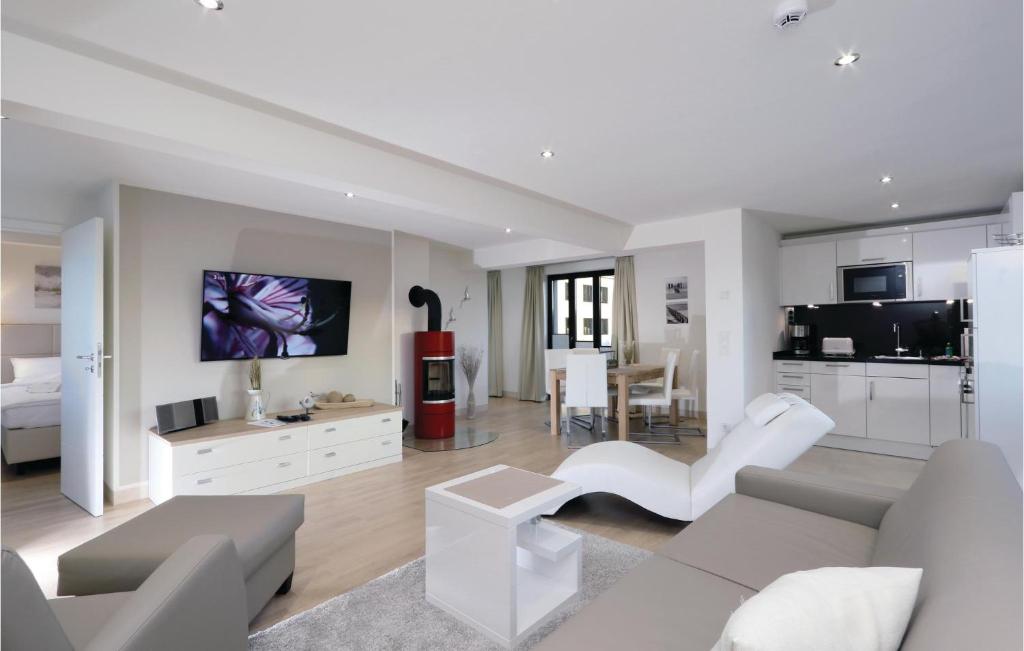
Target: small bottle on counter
x=949, y=349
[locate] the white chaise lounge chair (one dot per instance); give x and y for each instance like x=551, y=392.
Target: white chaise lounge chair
x=777, y=429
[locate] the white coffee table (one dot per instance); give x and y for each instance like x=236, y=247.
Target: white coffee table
x=491, y=562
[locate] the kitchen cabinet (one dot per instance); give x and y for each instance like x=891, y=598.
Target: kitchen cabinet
x=874, y=250
x=843, y=399
x=898, y=409
x=807, y=273
x=944, y=403
x=940, y=261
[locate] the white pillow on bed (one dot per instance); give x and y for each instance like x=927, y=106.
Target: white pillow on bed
x=36, y=369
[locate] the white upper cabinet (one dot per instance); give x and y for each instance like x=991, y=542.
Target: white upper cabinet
x=940, y=261
x=875, y=250
x=808, y=273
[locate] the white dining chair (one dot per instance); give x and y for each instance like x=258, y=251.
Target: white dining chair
x=688, y=393
x=648, y=386
x=651, y=400
x=586, y=387
x=688, y=397
x=554, y=358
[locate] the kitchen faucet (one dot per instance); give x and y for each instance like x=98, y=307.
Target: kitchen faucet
x=899, y=349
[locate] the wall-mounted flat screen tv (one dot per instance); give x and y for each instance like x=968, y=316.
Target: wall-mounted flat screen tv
x=256, y=315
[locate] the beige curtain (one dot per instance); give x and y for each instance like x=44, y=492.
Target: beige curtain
x=531, y=346
x=624, y=311
x=495, y=347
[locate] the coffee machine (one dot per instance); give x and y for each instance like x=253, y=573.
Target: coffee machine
x=800, y=339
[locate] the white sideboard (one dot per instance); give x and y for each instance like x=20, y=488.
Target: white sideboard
x=898, y=408
x=233, y=457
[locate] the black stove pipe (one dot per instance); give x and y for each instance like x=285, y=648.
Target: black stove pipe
x=420, y=297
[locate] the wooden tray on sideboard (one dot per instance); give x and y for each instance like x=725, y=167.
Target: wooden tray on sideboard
x=344, y=405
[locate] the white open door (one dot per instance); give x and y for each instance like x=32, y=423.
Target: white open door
x=81, y=405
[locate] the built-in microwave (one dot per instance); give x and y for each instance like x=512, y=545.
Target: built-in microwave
x=876, y=282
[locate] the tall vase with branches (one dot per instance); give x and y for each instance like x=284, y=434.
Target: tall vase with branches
x=257, y=401
x=470, y=358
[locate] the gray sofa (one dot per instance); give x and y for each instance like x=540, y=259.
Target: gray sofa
x=194, y=600
x=960, y=522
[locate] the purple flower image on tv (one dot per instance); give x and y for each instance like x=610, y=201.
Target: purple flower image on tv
x=255, y=315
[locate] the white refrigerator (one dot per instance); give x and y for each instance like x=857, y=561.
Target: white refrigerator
x=997, y=291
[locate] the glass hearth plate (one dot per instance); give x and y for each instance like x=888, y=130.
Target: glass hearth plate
x=465, y=437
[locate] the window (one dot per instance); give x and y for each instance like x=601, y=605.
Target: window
x=577, y=315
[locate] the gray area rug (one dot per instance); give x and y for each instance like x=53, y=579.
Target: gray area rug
x=391, y=611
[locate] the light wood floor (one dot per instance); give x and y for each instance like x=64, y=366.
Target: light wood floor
x=363, y=525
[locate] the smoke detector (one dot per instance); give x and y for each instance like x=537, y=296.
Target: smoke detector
x=790, y=13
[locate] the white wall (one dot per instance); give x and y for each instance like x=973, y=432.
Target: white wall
x=446, y=270
x=451, y=271
x=763, y=319
x=165, y=243
x=721, y=233
x=17, y=278
x=513, y=290
x=411, y=266
x=652, y=268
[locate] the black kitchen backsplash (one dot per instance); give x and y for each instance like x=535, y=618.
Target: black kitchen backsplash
x=926, y=325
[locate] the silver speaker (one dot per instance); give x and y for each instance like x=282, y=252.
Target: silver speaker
x=175, y=416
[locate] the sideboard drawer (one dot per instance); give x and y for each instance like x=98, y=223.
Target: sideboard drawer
x=802, y=391
x=242, y=477
x=793, y=379
x=837, y=367
x=223, y=453
x=350, y=454
x=322, y=435
x=789, y=365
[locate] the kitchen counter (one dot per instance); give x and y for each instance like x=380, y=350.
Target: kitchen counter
x=818, y=357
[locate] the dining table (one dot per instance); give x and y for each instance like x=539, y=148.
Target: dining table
x=619, y=377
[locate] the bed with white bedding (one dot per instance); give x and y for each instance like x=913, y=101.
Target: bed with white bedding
x=30, y=393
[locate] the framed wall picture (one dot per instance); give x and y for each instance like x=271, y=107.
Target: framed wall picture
x=677, y=297
x=47, y=286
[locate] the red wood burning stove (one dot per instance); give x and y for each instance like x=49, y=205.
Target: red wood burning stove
x=435, y=384
x=434, y=359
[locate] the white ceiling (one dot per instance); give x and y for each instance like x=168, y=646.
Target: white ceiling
x=654, y=110
x=49, y=174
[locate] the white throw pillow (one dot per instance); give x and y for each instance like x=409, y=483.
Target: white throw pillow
x=36, y=369
x=831, y=608
x=765, y=408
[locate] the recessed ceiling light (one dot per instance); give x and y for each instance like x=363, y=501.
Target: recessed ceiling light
x=894, y=205
x=349, y=195
x=508, y=230
x=885, y=179
x=216, y=5
x=847, y=59
x=547, y=153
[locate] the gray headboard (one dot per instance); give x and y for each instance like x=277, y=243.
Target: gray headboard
x=26, y=340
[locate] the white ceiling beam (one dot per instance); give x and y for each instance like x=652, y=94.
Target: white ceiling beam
x=53, y=86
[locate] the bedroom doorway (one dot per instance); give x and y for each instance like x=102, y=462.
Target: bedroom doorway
x=82, y=365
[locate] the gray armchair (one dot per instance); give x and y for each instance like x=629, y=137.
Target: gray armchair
x=195, y=600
